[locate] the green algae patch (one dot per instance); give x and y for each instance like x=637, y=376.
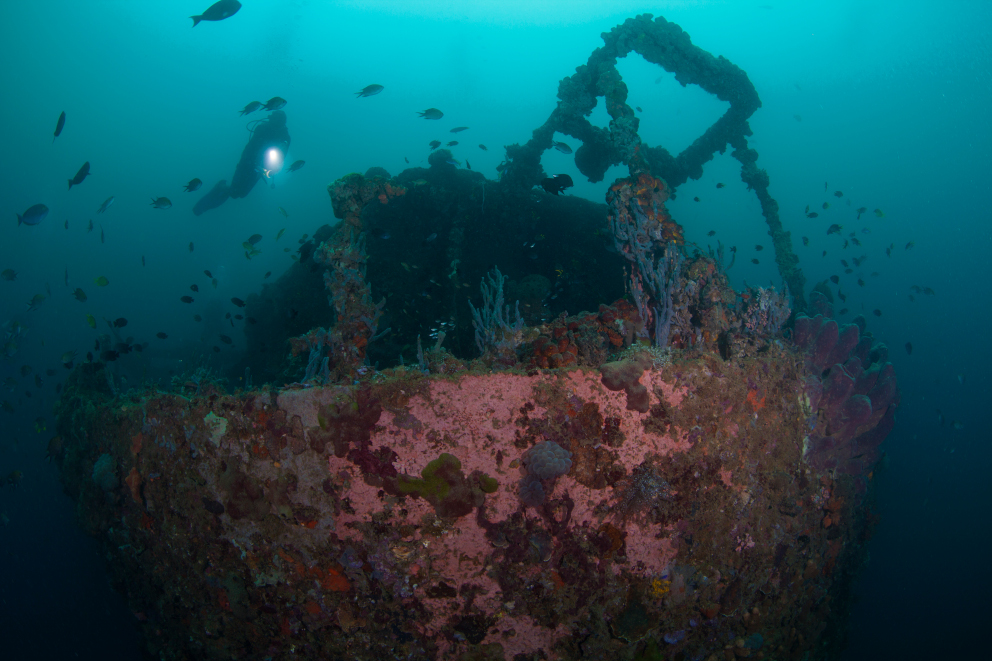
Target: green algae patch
x=443, y=484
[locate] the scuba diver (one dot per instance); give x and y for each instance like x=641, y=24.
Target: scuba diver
x=262, y=157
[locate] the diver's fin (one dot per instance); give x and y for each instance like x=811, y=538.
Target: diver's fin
x=196, y=19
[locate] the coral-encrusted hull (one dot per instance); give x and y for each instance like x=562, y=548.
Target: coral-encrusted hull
x=357, y=521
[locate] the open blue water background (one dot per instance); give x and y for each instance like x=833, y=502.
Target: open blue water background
x=885, y=101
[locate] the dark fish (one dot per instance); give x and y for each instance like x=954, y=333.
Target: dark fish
x=812, y=214
x=825, y=187
x=197, y=318
x=459, y=129
x=855, y=241
x=106, y=204
x=239, y=317
x=216, y=349
x=120, y=322
x=805, y=240
x=194, y=184
x=226, y=340
x=467, y=164
x=161, y=336
x=296, y=166
x=59, y=125
x=218, y=11
x=275, y=103
x=877, y=312
x=910, y=245
x=861, y=283
x=369, y=90
x=719, y=185
x=759, y=247
x=431, y=113
x=824, y=253
x=562, y=147
x=186, y=299
x=214, y=198
x=238, y=302
x=798, y=118
x=844, y=262
x=406, y=160
x=841, y=295
x=267, y=274
x=37, y=381
x=9, y=275
x=638, y=109
x=83, y=172
x=67, y=223
x=434, y=144
x=254, y=238
x=838, y=193
x=879, y=213
x=835, y=279
x=25, y=370
x=109, y=355
x=711, y=233
x=845, y=244
x=843, y=311
x=89, y=356
x=848, y=271
x=250, y=108
x=834, y=229
x=556, y=183
x=929, y=292
x=755, y=261
x=161, y=203
x=909, y=348
x=227, y=316
x=207, y=273
x=34, y=215
x=451, y=143
x=695, y=199
x=861, y=210
x=483, y=147
x=194, y=288
x=191, y=246
x=251, y=320
x=826, y=205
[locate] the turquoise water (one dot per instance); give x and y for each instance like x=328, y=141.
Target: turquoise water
x=886, y=103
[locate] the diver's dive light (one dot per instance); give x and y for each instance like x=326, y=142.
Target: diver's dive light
x=273, y=161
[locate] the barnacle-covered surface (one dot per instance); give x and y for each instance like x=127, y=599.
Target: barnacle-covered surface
x=384, y=519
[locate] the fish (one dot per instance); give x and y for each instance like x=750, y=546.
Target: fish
x=81, y=174
x=430, y=238
x=186, y=299
x=101, y=281
x=879, y=213
x=238, y=302
x=825, y=186
x=711, y=233
x=861, y=283
x=452, y=161
x=284, y=212
x=961, y=378
x=218, y=11
x=865, y=230
x=909, y=348
x=861, y=210
x=483, y=147
x=369, y=90
x=161, y=203
x=194, y=288
x=843, y=311
x=418, y=182
x=719, y=185
x=452, y=143
x=845, y=244
x=805, y=240
x=37, y=381
x=798, y=118
x=835, y=229
x=109, y=355
x=254, y=238
x=239, y=317
x=434, y=144
x=912, y=299
x=193, y=185
x=695, y=199
x=59, y=125
x=215, y=197
x=225, y=339
x=296, y=165
x=214, y=283
x=280, y=233
x=106, y=204
x=216, y=349
x=759, y=247
x=250, y=108
x=161, y=336
x=875, y=274
x=838, y=193
x=910, y=245
x=227, y=316
x=267, y=274
x=25, y=370
x=888, y=251
x=755, y=261
x=207, y=273
x=562, y=147
x=9, y=275
x=431, y=113
x=67, y=223
x=824, y=253
x=91, y=321
x=812, y=214
x=458, y=129
x=120, y=322
x=34, y=215
x=142, y=260
x=556, y=183
x=7, y=407
x=467, y=164
x=855, y=241
x=877, y=312
x=958, y=425
x=844, y=262
x=928, y=292
x=835, y=279
x=197, y=318
x=406, y=160
x=826, y=205
x=80, y=295
x=191, y=246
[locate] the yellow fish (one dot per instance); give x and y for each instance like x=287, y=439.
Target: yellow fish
x=101, y=281
x=281, y=232
x=91, y=320
x=878, y=212
x=283, y=212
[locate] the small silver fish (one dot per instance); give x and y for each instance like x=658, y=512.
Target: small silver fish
x=106, y=204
